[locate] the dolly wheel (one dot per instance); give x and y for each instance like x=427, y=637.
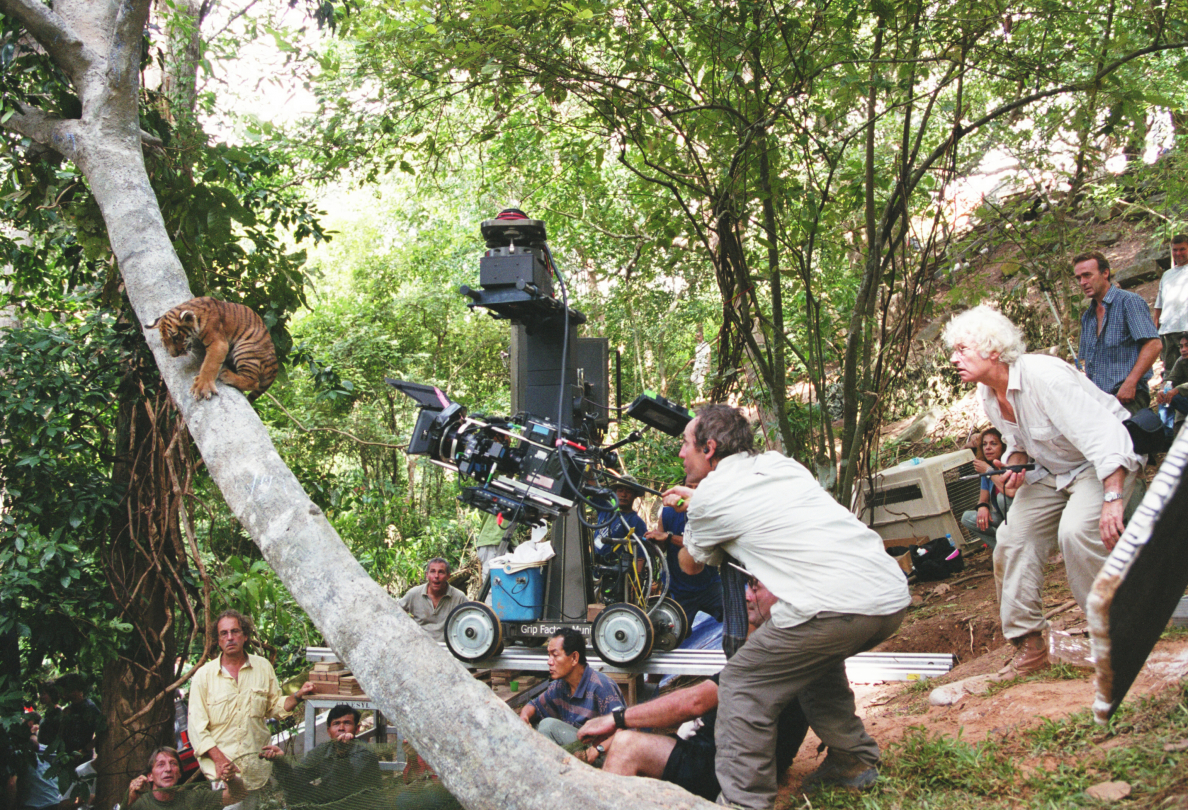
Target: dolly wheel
x=473, y=632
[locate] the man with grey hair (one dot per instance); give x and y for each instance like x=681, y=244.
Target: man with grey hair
x=837, y=594
x=1085, y=471
x=430, y=603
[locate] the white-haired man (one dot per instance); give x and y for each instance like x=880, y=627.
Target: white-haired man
x=1085, y=470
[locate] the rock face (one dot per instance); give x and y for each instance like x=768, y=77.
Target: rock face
x=1148, y=266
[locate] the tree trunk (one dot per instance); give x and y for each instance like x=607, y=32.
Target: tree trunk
x=485, y=755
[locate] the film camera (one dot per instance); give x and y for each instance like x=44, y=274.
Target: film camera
x=546, y=463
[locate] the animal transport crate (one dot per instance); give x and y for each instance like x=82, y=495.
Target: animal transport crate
x=921, y=497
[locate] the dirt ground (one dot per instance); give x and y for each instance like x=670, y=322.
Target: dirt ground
x=960, y=616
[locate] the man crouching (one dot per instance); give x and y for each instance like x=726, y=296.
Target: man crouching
x=837, y=594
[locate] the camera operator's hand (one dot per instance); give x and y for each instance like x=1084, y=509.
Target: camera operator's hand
x=659, y=535
x=678, y=498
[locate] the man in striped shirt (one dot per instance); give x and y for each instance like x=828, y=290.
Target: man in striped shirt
x=577, y=693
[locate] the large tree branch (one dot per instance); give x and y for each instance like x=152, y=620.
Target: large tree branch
x=44, y=129
x=54, y=34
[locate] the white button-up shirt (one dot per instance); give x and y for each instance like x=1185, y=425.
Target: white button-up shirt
x=768, y=512
x=1064, y=422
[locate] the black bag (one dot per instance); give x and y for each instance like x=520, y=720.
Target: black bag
x=1147, y=433
x=930, y=560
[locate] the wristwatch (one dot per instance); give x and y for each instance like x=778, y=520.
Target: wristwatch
x=1110, y=497
x=620, y=716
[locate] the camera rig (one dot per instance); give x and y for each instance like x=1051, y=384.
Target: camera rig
x=535, y=469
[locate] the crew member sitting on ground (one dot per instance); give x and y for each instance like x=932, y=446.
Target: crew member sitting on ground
x=159, y=789
x=430, y=603
x=993, y=501
x=1076, y=495
x=332, y=771
x=693, y=592
x=688, y=762
x=576, y=694
x=1178, y=396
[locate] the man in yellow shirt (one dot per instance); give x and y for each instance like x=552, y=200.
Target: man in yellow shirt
x=230, y=698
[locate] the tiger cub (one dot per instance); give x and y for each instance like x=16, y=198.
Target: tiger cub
x=234, y=339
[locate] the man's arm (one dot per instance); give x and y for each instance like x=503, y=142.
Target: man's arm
x=1155, y=313
x=198, y=725
x=292, y=700
x=1112, y=524
x=689, y=565
x=235, y=790
x=663, y=712
x=1147, y=357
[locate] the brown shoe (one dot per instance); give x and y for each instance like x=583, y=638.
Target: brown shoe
x=1031, y=655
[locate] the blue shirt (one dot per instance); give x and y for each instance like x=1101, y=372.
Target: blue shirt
x=1126, y=326
x=617, y=529
x=595, y=696
x=36, y=791
x=683, y=584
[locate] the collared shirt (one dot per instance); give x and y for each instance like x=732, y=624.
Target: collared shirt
x=417, y=603
x=769, y=512
x=1126, y=326
x=1063, y=421
x=595, y=696
x=1172, y=300
x=229, y=713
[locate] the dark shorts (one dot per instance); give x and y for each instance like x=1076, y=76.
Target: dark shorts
x=691, y=765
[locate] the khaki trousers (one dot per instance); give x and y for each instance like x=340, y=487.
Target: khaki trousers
x=1042, y=517
x=774, y=666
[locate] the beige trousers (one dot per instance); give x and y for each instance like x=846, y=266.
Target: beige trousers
x=1041, y=518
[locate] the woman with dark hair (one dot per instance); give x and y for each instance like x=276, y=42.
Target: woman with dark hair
x=993, y=500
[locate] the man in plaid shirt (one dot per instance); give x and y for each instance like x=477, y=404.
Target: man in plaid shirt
x=577, y=693
x=1119, y=341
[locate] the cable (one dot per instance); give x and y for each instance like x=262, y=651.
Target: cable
x=564, y=338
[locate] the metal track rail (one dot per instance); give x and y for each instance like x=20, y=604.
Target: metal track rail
x=870, y=667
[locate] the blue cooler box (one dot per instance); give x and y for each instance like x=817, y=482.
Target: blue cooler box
x=518, y=597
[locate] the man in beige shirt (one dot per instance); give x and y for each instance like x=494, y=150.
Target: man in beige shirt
x=230, y=698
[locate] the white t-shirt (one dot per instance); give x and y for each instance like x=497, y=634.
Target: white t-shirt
x=768, y=512
x=1173, y=300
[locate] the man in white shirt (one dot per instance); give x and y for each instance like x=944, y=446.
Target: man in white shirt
x=1171, y=304
x=838, y=594
x=1085, y=471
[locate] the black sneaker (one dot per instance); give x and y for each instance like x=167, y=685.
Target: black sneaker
x=843, y=770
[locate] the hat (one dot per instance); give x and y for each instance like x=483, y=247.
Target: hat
x=628, y=482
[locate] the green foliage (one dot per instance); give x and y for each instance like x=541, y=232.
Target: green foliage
x=56, y=416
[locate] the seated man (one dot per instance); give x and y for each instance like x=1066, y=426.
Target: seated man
x=164, y=774
x=1177, y=397
x=617, y=521
x=430, y=603
x=693, y=592
x=31, y=787
x=576, y=694
x=685, y=762
x=340, y=767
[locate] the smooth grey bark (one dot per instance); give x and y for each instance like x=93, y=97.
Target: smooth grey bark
x=484, y=754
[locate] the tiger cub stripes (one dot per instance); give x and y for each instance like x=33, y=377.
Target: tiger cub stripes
x=234, y=339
